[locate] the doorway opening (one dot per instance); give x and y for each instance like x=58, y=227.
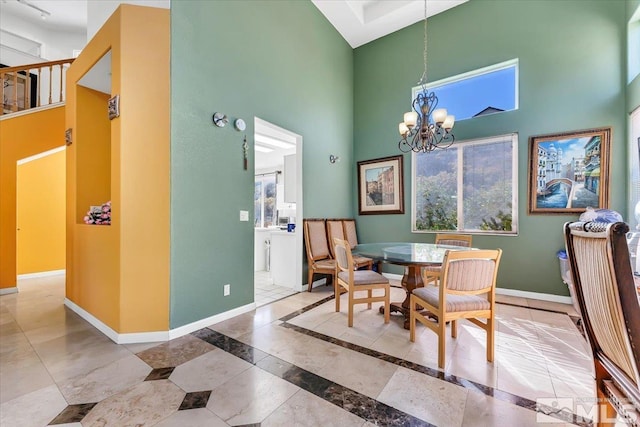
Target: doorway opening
x=277, y=206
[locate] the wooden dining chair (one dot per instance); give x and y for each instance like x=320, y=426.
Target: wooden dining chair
x=433, y=273
x=466, y=291
x=319, y=260
x=335, y=230
x=610, y=308
x=353, y=281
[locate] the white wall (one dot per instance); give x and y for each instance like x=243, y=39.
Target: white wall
x=55, y=44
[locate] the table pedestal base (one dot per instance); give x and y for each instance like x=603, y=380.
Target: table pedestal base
x=411, y=280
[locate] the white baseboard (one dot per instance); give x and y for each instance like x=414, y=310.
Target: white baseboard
x=203, y=323
x=41, y=274
x=511, y=292
x=143, y=337
x=7, y=291
x=534, y=295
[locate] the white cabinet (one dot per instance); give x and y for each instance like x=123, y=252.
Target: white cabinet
x=290, y=181
x=283, y=258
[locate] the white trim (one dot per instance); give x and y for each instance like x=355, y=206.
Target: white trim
x=512, y=292
x=41, y=274
x=41, y=155
x=203, y=323
x=31, y=110
x=534, y=295
x=7, y=291
x=143, y=337
x=473, y=73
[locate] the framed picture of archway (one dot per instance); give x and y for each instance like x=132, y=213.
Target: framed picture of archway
x=569, y=172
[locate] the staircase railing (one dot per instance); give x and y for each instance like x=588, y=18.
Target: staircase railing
x=33, y=85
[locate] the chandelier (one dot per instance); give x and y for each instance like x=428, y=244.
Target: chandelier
x=426, y=127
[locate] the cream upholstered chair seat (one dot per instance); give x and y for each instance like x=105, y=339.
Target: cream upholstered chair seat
x=466, y=291
x=431, y=295
x=363, y=277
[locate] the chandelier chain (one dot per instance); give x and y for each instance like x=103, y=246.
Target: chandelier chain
x=423, y=80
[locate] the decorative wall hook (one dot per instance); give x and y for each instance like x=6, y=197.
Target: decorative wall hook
x=220, y=119
x=333, y=159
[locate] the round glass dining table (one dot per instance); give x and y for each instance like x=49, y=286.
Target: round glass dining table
x=413, y=256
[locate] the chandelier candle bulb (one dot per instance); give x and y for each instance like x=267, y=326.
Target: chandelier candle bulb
x=410, y=119
x=403, y=129
x=448, y=123
x=439, y=115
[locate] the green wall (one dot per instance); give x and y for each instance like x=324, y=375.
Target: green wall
x=277, y=60
x=633, y=89
x=572, y=76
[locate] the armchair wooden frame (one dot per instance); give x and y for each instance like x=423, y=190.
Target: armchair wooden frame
x=319, y=258
x=358, y=281
x=432, y=274
x=465, y=276
x=608, y=299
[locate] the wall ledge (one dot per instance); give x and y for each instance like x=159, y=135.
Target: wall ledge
x=145, y=337
x=31, y=110
x=7, y=291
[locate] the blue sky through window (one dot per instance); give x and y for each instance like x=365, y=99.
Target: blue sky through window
x=469, y=96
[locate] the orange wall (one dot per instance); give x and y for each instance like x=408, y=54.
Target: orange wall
x=126, y=286
x=144, y=168
x=41, y=214
x=20, y=137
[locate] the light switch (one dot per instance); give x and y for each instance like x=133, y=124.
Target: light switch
x=244, y=215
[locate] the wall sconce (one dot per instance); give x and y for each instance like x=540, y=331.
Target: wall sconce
x=220, y=119
x=333, y=159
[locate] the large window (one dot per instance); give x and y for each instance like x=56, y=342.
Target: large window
x=488, y=90
x=470, y=187
x=264, y=200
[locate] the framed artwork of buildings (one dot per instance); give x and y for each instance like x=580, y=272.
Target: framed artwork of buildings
x=380, y=187
x=569, y=172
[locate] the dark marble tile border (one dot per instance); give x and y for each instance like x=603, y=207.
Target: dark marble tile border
x=435, y=373
x=351, y=401
x=72, y=413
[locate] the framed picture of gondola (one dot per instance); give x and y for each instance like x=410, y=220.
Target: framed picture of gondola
x=569, y=171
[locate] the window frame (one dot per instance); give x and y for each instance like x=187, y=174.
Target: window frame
x=433, y=86
x=460, y=180
x=262, y=179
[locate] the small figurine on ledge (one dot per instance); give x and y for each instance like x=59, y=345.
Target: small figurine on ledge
x=99, y=215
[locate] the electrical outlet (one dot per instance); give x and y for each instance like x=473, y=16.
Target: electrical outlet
x=227, y=290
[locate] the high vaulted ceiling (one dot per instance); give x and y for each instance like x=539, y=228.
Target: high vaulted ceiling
x=361, y=21
x=358, y=21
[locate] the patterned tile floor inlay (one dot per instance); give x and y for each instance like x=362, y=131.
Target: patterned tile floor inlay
x=291, y=362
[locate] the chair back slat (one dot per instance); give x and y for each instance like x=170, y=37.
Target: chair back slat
x=317, y=240
x=334, y=231
x=342, y=255
x=467, y=275
x=350, y=232
x=463, y=240
x=601, y=273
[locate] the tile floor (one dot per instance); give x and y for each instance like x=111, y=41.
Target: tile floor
x=293, y=362
x=266, y=292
